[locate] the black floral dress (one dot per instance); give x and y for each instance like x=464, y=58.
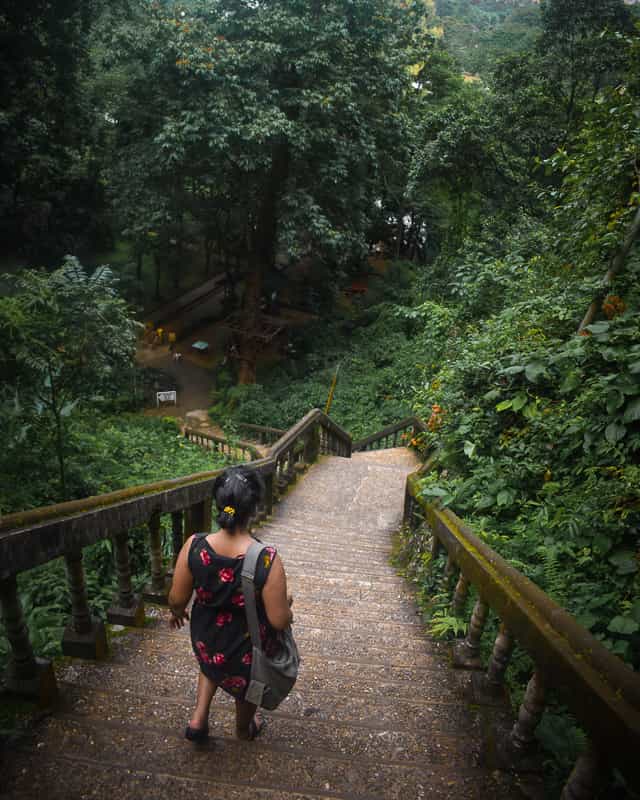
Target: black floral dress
x=219, y=632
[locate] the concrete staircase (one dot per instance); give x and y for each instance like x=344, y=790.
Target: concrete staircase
x=377, y=711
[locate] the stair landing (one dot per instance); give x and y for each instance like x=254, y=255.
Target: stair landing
x=377, y=713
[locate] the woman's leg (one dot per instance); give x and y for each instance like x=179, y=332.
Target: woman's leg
x=206, y=690
x=246, y=714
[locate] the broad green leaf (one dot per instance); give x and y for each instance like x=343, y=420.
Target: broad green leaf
x=469, y=449
x=587, y=620
x=519, y=401
x=623, y=625
x=624, y=561
x=504, y=498
x=534, y=370
x=601, y=544
x=598, y=327
x=486, y=501
x=504, y=405
x=614, y=432
x=632, y=411
x=615, y=399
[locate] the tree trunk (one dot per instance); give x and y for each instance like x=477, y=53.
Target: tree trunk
x=261, y=256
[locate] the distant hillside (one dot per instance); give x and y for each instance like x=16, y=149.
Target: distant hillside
x=478, y=32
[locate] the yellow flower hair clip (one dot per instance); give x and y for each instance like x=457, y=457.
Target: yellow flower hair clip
x=229, y=510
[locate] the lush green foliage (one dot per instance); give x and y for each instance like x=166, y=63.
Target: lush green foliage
x=109, y=453
x=68, y=342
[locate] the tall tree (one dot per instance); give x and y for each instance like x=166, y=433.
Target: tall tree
x=281, y=107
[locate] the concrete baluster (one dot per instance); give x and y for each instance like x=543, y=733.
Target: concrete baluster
x=127, y=608
x=177, y=535
x=158, y=590
x=268, y=494
x=460, y=595
x=26, y=675
x=502, y=650
x=85, y=637
x=523, y=739
x=588, y=776
x=466, y=654
x=449, y=571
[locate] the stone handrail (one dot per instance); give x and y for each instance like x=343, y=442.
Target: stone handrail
x=388, y=437
x=600, y=690
x=245, y=451
x=31, y=538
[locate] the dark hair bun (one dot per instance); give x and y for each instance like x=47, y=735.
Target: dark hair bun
x=237, y=493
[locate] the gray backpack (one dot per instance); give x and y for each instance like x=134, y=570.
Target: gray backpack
x=271, y=678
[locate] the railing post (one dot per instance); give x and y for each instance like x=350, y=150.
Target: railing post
x=26, y=675
x=268, y=494
x=128, y=608
x=587, y=777
x=466, y=654
x=408, y=515
x=85, y=637
x=502, y=650
x=522, y=738
x=310, y=452
x=197, y=518
x=158, y=590
x=460, y=595
x=177, y=535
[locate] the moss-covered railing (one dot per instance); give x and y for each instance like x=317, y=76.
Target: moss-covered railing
x=239, y=450
x=599, y=689
x=260, y=433
x=29, y=539
x=397, y=435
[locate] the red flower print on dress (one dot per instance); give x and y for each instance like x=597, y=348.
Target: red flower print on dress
x=247, y=658
x=203, y=595
x=202, y=652
x=223, y=618
x=218, y=659
x=271, y=551
x=226, y=575
x=234, y=684
x=238, y=600
x=205, y=558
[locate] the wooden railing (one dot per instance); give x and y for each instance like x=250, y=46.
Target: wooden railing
x=32, y=538
x=599, y=689
x=241, y=451
x=398, y=434
x=261, y=433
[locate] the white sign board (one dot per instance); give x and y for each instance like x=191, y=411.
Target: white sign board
x=167, y=397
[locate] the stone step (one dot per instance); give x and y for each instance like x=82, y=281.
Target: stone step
x=231, y=763
x=340, y=739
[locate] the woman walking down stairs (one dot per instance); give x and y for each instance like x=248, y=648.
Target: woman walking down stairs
x=377, y=711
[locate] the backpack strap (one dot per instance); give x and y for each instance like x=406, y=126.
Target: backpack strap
x=248, y=575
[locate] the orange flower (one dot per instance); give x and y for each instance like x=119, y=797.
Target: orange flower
x=613, y=306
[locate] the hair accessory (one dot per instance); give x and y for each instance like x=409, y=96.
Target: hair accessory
x=229, y=510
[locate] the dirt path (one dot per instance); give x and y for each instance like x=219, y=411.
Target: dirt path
x=194, y=382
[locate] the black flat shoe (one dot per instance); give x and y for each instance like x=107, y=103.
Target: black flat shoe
x=197, y=734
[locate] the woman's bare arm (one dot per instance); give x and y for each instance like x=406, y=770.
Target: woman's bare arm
x=181, y=586
x=274, y=596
